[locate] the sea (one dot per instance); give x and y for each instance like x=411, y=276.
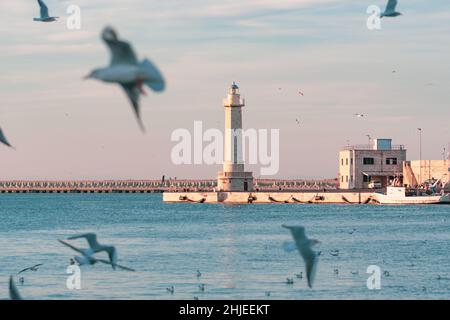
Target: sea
x=366, y=251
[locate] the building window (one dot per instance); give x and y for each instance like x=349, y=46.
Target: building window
x=369, y=161
x=391, y=160
x=346, y=161
x=342, y=179
x=342, y=161
x=351, y=161
x=351, y=179
x=346, y=178
x=365, y=178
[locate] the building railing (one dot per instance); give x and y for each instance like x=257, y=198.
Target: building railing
x=371, y=147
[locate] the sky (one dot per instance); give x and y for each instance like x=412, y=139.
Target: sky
x=64, y=127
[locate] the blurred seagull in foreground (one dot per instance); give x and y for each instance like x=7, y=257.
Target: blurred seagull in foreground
x=95, y=247
x=44, y=13
x=390, y=10
x=88, y=259
x=4, y=140
x=126, y=70
x=13, y=292
x=359, y=115
x=304, y=248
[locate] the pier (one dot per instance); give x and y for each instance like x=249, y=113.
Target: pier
x=150, y=186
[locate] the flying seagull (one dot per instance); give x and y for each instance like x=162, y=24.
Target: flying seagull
x=359, y=115
x=390, y=9
x=44, y=13
x=88, y=259
x=304, y=248
x=95, y=247
x=13, y=292
x=33, y=268
x=3, y=139
x=127, y=71
x=334, y=253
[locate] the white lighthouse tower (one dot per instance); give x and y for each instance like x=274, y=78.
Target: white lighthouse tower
x=233, y=177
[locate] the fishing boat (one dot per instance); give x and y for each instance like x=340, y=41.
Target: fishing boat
x=399, y=195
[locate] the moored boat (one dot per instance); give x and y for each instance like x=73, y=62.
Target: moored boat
x=398, y=195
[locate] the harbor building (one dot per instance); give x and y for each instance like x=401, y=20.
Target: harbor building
x=234, y=177
x=377, y=162
x=417, y=172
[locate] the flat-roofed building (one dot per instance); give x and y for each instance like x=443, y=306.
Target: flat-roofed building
x=377, y=161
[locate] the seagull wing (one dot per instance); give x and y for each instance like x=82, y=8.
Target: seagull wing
x=121, y=51
x=13, y=292
x=3, y=139
x=115, y=265
x=72, y=247
x=91, y=238
x=390, y=7
x=153, y=76
x=298, y=233
x=133, y=94
x=44, y=9
x=310, y=258
x=23, y=270
x=112, y=254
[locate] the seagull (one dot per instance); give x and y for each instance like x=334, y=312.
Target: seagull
x=299, y=275
x=334, y=253
x=126, y=70
x=199, y=274
x=201, y=287
x=304, y=248
x=88, y=259
x=353, y=231
x=359, y=115
x=390, y=9
x=13, y=292
x=298, y=121
x=301, y=93
x=171, y=289
x=96, y=247
x=289, y=281
x=3, y=139
x=21, y=280
x=336, y=271
x=33, y=268
x=44, y=13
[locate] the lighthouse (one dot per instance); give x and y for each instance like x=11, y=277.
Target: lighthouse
x=233, y=177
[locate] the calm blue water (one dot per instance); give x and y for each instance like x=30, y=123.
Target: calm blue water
x=238, y=249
